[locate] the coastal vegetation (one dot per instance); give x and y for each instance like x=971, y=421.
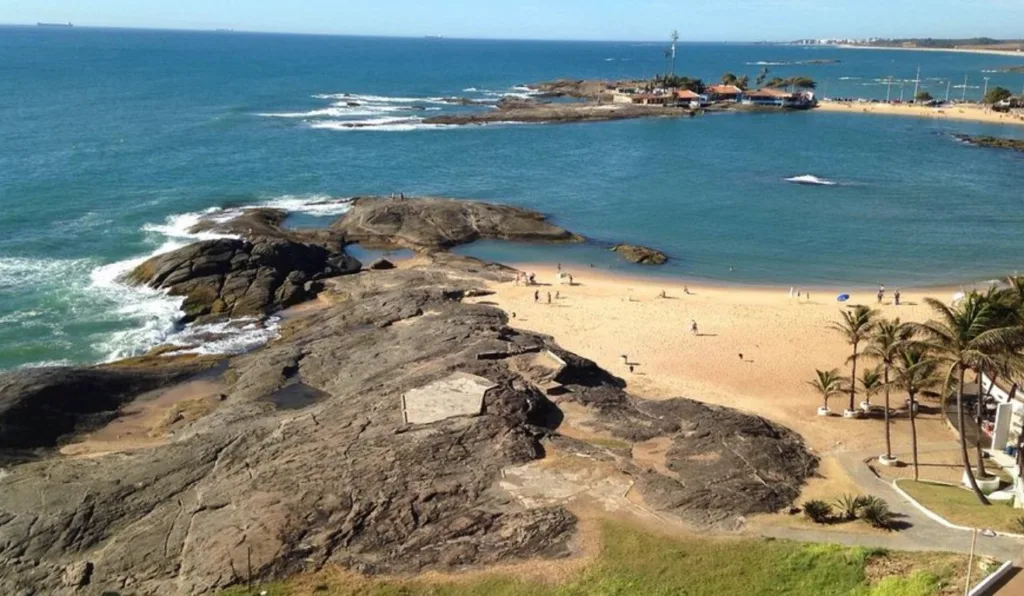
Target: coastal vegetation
x=635, y=561
x=980, y=334
x=792, y=83
x=996, y=95
x=923, y=97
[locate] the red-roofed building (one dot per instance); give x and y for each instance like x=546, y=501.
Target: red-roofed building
x=724, y=93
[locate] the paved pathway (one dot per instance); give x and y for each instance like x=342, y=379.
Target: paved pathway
x=923, y=533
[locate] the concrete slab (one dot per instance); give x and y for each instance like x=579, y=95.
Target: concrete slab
x=461, y=394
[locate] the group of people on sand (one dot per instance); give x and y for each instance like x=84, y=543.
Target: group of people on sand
x=895, y=295
x=799, y=293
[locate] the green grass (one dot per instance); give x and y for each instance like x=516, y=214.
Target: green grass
x=609, y=443
x=961, y=507
x=635, y=562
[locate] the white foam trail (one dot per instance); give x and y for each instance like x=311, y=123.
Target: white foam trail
x=235, y=336
x=810, y=180
x=470, y=90
x=319, y=205
x=16, y=272
x=385, y=99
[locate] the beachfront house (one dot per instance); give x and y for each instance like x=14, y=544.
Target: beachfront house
x=656, y=98
x=724, y=93
x=624, y=94
x=691, y=98
x=779, y=98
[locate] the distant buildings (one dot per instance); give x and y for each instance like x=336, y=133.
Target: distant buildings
x=715, y=94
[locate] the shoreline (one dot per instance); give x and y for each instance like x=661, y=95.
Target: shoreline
x=957, y=112
x=650, y=279
x=955, y=50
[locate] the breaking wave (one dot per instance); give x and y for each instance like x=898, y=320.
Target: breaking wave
x=811, y=180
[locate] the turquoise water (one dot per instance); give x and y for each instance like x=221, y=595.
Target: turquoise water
x=112, y=141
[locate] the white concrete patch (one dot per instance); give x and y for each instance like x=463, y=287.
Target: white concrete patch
x=460, y=394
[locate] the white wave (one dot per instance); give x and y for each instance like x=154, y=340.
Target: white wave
x=319, y=205
x=42, y=364
x=470, y=90
x=849, y=78
x=18, y=272
x=767, y=63
x=384, y=99
x=235, y=336
x=810, y=180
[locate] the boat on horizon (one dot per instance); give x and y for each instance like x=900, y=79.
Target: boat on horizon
x=66, y=25
x=433, y=37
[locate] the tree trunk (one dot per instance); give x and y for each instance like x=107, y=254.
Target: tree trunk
x=913, y=435
x=963, y=439
x=979, y=413
x=888, y=436
x=853, y=379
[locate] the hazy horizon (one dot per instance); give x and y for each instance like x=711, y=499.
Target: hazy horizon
x=565, y=20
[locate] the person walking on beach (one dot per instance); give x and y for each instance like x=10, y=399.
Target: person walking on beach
x=558, y=295
x=896, y=296
x=559, y=267
x=536, y=295
x=686, y=290
x=693, y=326
x=570, y=280
x=549, y=297
x=881, y=294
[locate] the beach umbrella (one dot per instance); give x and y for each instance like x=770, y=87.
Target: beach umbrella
x=842, y=297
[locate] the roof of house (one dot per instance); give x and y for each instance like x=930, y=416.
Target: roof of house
x=687, y=94
x=769, y=92
x=725, y=89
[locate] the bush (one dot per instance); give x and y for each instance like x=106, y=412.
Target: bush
x=877, y=514
x=1020, y=524
x=818, y=512
x=848, y=506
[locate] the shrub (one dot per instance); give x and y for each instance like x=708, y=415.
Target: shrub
x=1020, y=523
x=877, y=514
x=848, y=506
x=817, y=511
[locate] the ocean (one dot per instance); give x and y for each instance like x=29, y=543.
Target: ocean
x=113, y=141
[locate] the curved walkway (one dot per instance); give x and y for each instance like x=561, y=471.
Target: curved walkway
x=923, y=534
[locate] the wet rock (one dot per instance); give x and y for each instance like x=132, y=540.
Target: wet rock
x=640, y=254
x=237, y=278
x=427, y=224
x=381, y=265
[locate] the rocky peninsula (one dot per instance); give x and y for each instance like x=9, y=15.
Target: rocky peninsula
x=539, y=112
x=992, y=142
x=337, y=443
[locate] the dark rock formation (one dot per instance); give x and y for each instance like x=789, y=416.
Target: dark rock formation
x=238, y=278
x=435, y=224
x=381, y=265
x=266, y=484
x=992, y=142
x=538, y=113
x=517, y=103
x=640, y=254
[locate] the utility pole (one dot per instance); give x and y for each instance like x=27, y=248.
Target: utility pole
x=985, y=92
x=964, y=97
x=917, y=83
x=675, y=39
x=949, y=84
x=903, y=85
x=888, y=92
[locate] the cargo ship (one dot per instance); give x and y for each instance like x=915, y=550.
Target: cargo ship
x=67, y=25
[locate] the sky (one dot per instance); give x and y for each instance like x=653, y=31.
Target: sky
x=696, y=20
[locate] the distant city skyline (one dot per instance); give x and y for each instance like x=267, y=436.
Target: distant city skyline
x=644, y=20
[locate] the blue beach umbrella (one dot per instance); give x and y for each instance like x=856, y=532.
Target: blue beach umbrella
x=842, y=297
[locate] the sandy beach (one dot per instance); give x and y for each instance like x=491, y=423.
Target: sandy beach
x=755, y=350
x=955, y=50
x=962, y=112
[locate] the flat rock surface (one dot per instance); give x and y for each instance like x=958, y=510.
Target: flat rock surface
x=427, y=224
x=307, y=459
x=541, y=113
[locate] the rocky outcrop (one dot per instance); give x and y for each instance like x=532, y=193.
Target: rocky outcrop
x=429, y=224
x=641, y=255
x=577, y=88
x=517, y=103
x=308, y=459
x=992, y=142
x=381, y=265
x=544, y=113
x=242, y=278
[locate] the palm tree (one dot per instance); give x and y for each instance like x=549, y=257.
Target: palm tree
x=870, y=382
x=885, y=344
x=966, y=337
x=828, y=383
x=856, y=326
x=914, y=372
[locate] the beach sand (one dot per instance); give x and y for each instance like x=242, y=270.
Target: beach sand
x=971, y=113
x=782, y=341
x=968, y=50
